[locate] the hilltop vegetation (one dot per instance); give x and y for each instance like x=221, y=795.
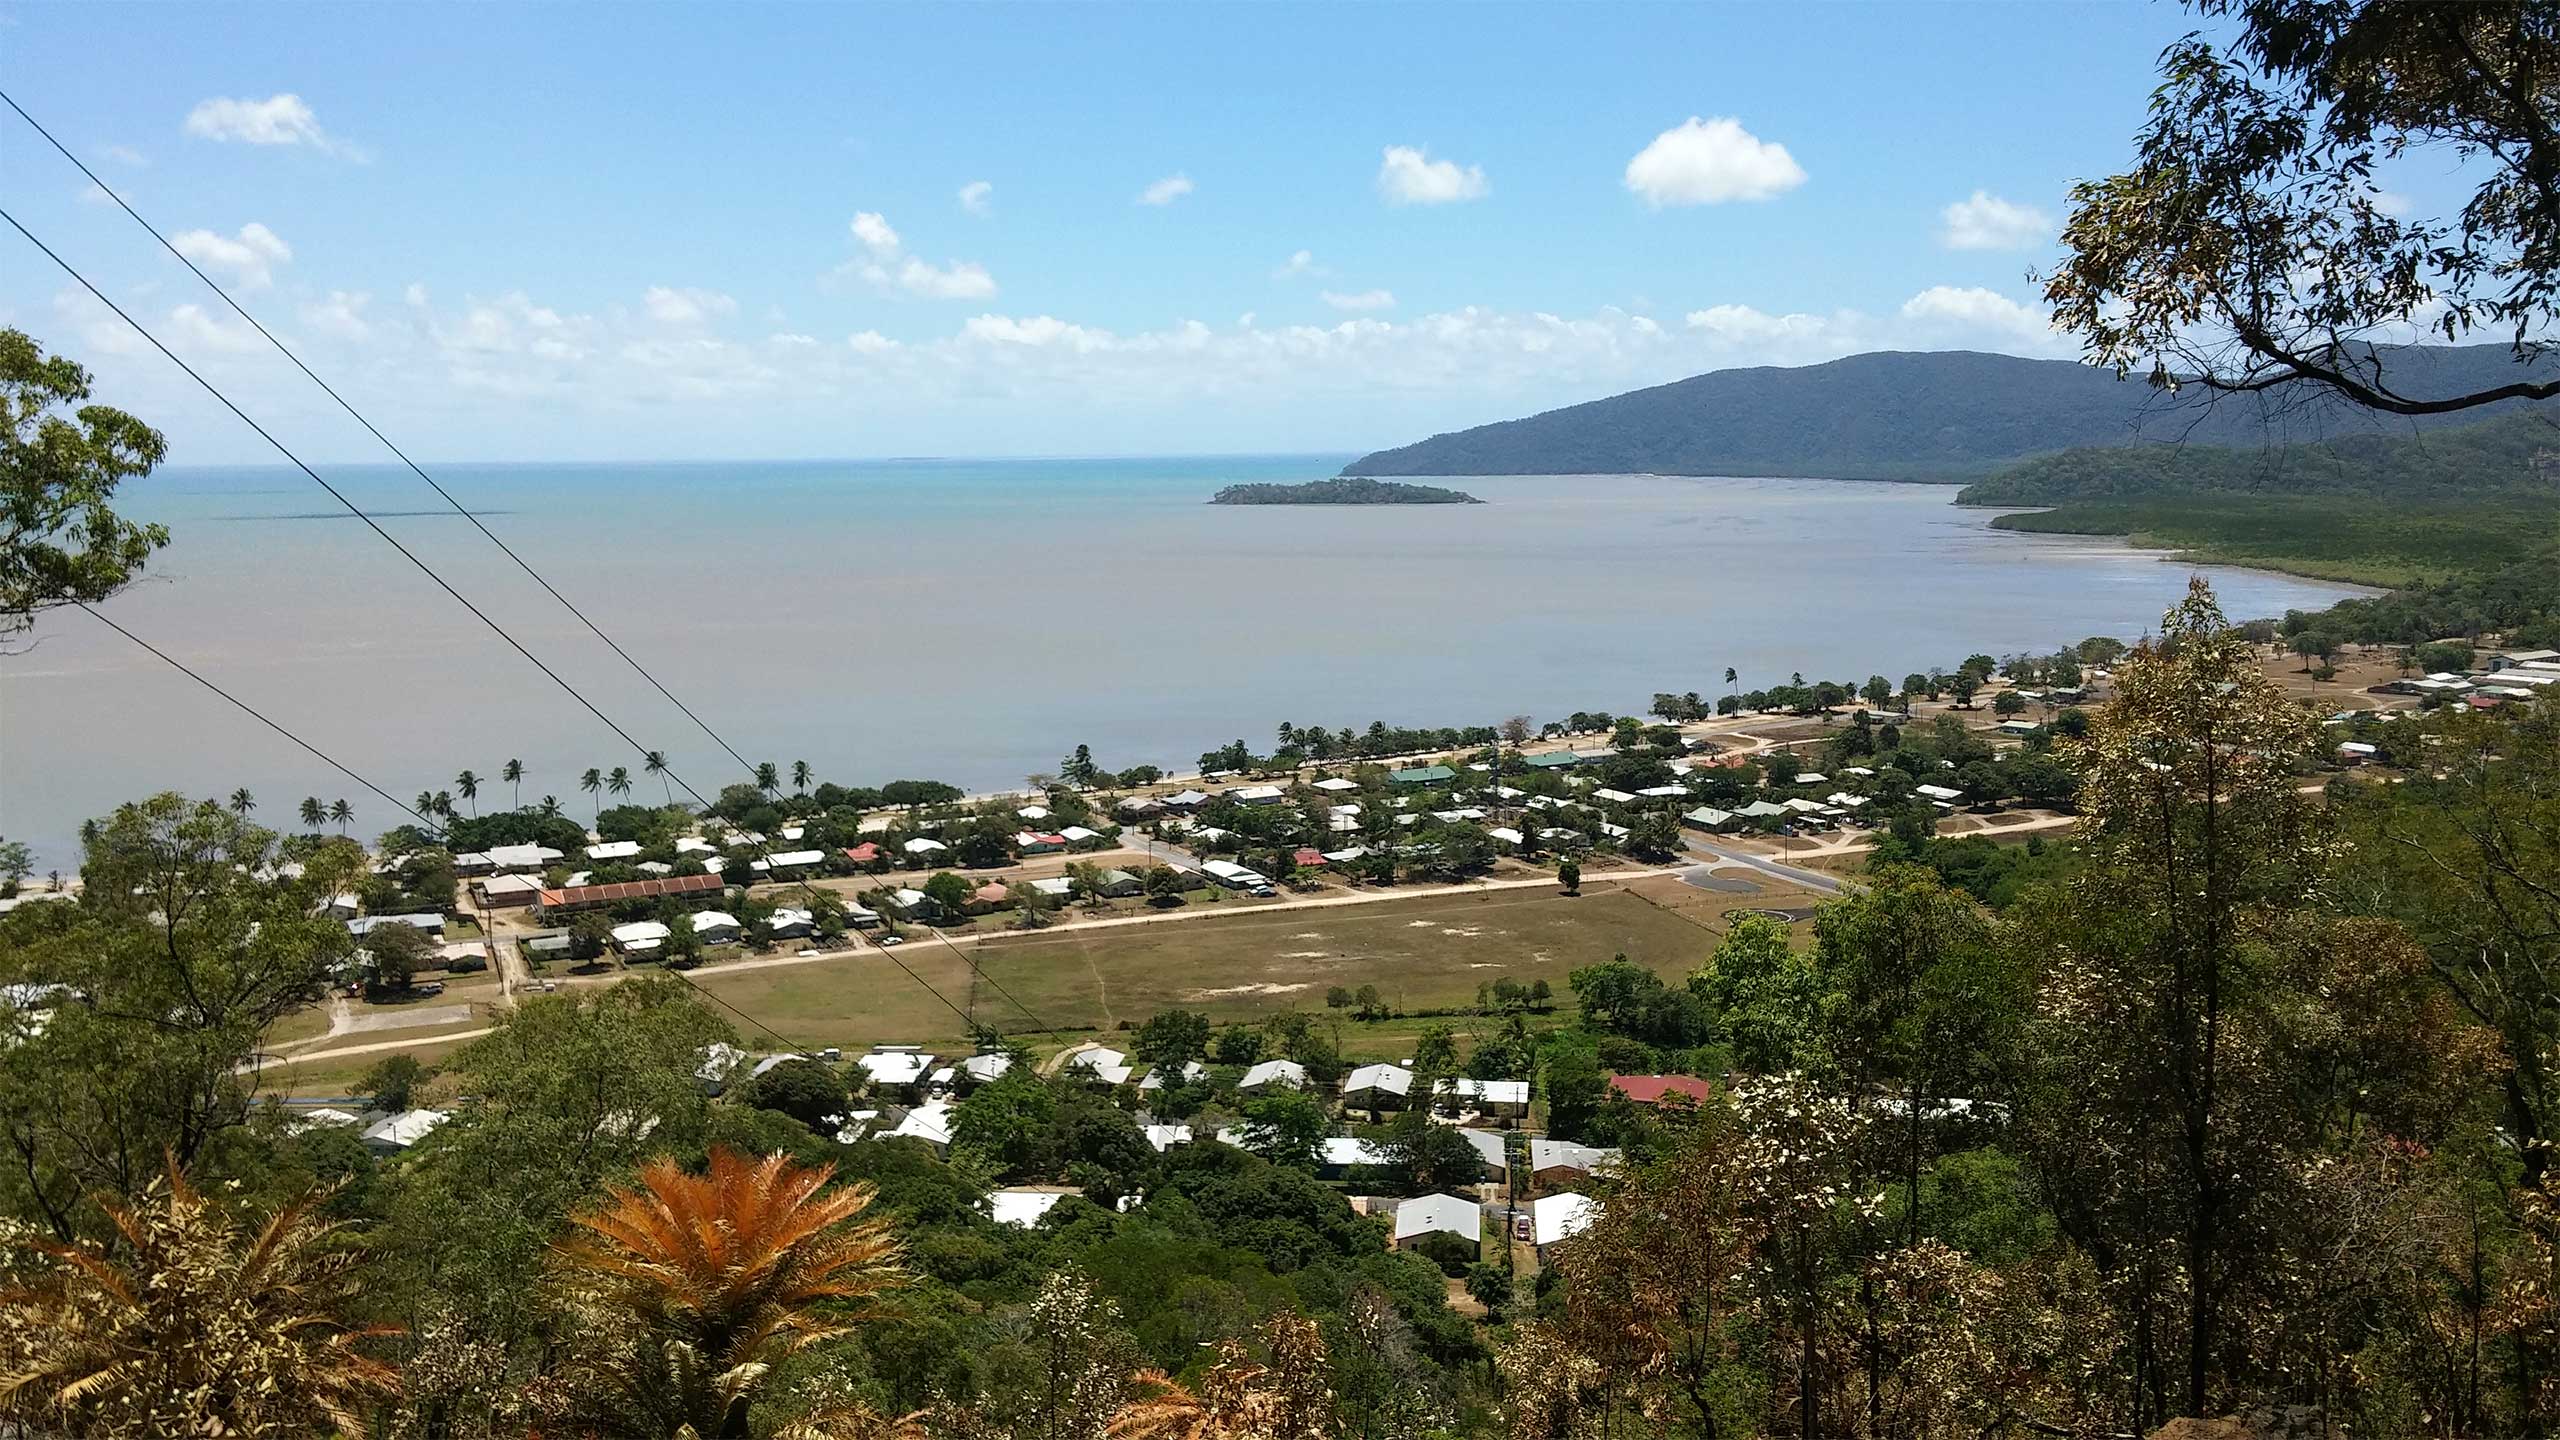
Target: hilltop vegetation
x=2496, y=456
x=1946, y=416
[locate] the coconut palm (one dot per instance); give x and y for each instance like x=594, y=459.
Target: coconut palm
x=469, y=785
x=699, y=1284
x=426, y=804
x=444, y=804
x=194, y=1324
x=313, y=813
x=550, y=807
x=619, y=782
x=593, y=782
x=655, y=763
x=800, y=775
x=767, y=779
x=242, y=802
x=513, y=773
x=342, y=812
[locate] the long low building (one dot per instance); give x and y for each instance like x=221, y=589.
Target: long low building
x=589, y=897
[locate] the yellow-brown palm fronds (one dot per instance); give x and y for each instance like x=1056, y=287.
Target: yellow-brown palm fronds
x=197, y=1327
x=735, y=1260
x=1238, y=1399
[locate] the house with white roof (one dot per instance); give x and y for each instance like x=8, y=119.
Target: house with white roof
x=1032, y=812
x=1022, y=1208
x=1377, y=1087
x=1424, y=1216
x=1560, y=1162
x=789, y=862
x=1165, y=1137
x=640, y=937
x=895, y=1065
x=1191, y=1074
x=1258, y=795
x=696, y=845
x=914, y=904
x=1614, y=797
x=604, y=850
x=394, y=1133
x=1942, y=793
x=714, y=927
x=790, y=923
x=929, y=1122
x=521, y=857
x=1341, y=1152
x=979, y=1069
x=1101, y=1063
x=1560, y=1217
x=1274, y=1072
x=1500, y=1098
x=1032, y=842
x=1335, y=785
x=924, y=845
x=1490, y=1149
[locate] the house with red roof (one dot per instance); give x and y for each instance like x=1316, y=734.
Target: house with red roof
x=864, y=853
x=1650, y=1089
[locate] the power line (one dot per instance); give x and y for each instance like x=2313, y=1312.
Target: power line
x=423, y=568
x=447, y=496
x=254, y=713
x=458, y=507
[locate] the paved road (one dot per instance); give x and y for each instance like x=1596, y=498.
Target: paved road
x=1813, y=880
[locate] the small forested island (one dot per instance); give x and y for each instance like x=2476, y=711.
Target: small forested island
x=1343, y=490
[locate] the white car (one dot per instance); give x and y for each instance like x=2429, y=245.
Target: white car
x=888, y=940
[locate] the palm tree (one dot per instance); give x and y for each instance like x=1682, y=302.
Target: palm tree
x=513, y=773
x=592, y=782
x=550, y=807
x=242, y=802
x=800, y=775
x=426, y=803
x=714, y=1279
x=313, y=813
x=619, y=782
x=201, y=1323
x=469, y=785
x=655, y=762
x=342, y=812
x=1732, y=682
x=444, y=804
x=766, y=779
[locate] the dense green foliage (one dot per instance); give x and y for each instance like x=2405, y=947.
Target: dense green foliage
x=1941, y=416
x=1342, y=491
x=2353, y=538
x=2496, y=456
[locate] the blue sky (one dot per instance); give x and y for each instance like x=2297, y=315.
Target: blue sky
x=573, y=231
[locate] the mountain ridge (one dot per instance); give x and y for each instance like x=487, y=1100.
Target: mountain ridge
x=1939, y=416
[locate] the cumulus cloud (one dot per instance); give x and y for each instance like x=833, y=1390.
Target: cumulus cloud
x=341, y=316
x=1986, y=222
x=1407, y=175
x=870, y=342
x=978, y=197
x=1360, y=300
x=1167, y=190
x=887, y=267
x=124, y=155
x=249, y=258
x=277, y=120
x=196, y=328
x=1300, y=262
x=1973, y=308
x=791, y=338
x=669, y=305
x=1708, y=162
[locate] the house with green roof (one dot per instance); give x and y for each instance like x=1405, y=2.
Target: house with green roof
x=1422, y=775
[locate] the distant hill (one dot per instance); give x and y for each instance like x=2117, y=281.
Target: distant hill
x=1342, y=492
x=1949, y=415
x=2513, y=454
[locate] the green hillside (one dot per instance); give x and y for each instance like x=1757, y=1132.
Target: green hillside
x=1947, y=416
x=2515, y=453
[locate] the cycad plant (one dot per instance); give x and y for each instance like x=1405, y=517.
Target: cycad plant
x=196, y=1324
x=691, y=1288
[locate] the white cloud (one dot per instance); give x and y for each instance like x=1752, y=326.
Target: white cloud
x=249, y=258
x=1301, y=262
x=341, y=315
x=794, y=340
x=1973, y=308
x=415, y=296
x=672, y=306
x=1408, y=176
x=2391, y=203
x=1987, y=222
x=1708, y=162
x=1360, y=300
x=124, y=155
x=872, y=229
x=195, y=328
x=977, y=197
x=1037, y=332
x=870, y=342
x=276, y=120
x=1167, y=190
x=890, y=270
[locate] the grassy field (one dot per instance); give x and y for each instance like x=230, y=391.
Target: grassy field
x=1422, y=954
